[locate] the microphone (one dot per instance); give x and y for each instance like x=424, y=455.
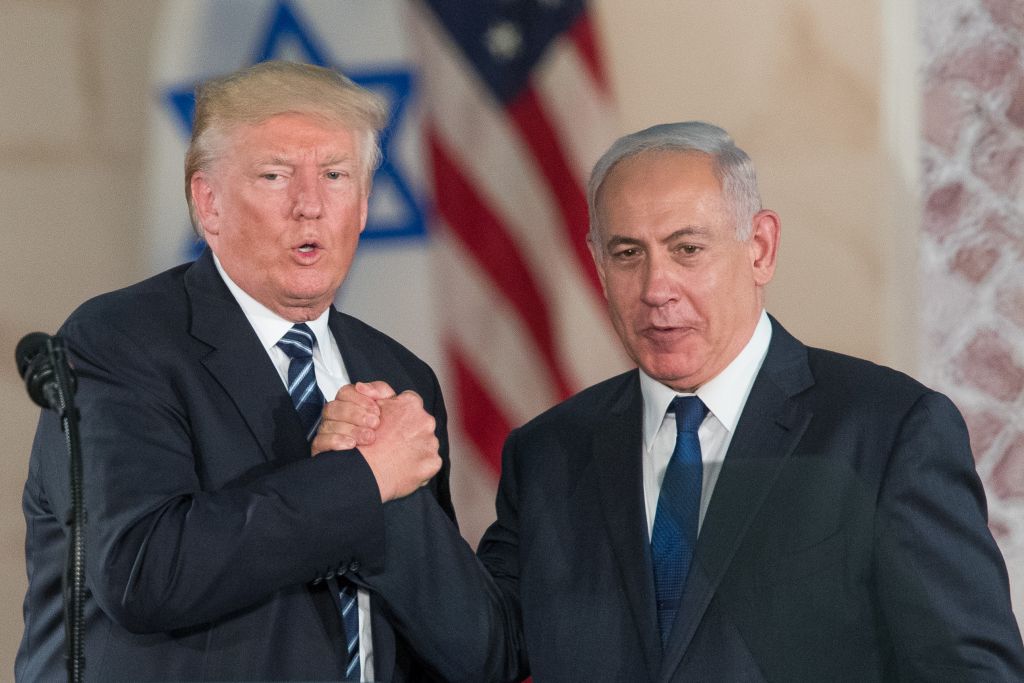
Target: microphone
x=43, y=365
x=40, y=358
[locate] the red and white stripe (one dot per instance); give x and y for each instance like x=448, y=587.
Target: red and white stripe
x=523, y=317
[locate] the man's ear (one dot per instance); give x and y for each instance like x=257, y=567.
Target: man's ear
x=764, y=245
x=207, y=208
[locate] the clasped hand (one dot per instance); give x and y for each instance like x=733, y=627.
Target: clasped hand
x=394, y=433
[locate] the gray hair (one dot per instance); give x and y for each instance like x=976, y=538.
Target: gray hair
x=262, y=91
x=732, y=167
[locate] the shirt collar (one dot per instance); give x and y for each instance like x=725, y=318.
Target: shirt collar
x=725, y=394
x=269, y=326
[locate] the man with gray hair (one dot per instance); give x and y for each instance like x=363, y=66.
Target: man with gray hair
x=741, y=507
x=218, y=547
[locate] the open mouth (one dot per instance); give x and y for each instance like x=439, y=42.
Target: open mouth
x=307, y=247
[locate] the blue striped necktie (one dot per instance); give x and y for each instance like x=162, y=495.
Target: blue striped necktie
x=674, y=534
x=308, y=400
x=298, y=343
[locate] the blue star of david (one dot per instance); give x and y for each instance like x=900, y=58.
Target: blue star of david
x=286, y=28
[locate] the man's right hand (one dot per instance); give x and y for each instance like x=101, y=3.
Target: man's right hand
x=402, y=450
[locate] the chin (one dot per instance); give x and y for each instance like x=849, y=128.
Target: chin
x=312, y=298
x=312, y=285
x=674, y=379
x=669, y=371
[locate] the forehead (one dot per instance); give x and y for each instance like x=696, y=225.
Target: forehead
x=662, y=171
x=657, y=182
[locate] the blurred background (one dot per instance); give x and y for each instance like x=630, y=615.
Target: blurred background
x=889, y=136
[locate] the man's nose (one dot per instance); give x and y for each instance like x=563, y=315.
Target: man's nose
x=659, y=285
x=307, y=198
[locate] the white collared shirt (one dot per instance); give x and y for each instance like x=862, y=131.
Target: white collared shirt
x=724, y=395
x=330, y=377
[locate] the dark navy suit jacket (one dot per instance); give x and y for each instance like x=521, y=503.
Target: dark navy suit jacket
x=845, y=540
x=207, y=520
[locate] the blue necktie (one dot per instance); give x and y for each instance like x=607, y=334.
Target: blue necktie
x=674, y=535
x=298, y=343
x=308, y=400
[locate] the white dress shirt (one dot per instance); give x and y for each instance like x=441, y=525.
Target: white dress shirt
x=724, y=395
x=330, y=377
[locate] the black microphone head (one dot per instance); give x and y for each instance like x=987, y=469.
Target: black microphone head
x=30, y=346
x=43, y=365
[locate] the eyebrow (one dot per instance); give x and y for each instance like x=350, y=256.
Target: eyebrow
x=688, y=231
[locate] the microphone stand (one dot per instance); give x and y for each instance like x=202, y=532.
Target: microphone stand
x=74, y=574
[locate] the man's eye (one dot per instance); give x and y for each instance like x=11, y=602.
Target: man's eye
x=689, y=249
x=270, y=176
x=629, y=252
x=334, y=175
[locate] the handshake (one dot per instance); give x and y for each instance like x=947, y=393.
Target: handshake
x=394, y=433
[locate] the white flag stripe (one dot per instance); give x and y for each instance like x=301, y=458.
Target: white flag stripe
x=578, y=108
x=497, y=346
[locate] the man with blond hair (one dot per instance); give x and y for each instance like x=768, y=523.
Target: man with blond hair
x=218, y=546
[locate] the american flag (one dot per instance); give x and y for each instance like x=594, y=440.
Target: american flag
x=517, y=110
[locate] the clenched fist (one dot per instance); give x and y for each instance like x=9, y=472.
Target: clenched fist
x=395, y=434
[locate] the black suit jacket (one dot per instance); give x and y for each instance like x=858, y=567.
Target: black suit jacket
x=845, y=540
x=207, y=520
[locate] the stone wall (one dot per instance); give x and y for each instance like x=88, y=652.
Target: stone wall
x=972, y=242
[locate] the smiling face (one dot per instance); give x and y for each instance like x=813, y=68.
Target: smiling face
x=684, y=294
x=282, y=208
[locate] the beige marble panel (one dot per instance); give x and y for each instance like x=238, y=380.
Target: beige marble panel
x=71, y=135
x=43, y=111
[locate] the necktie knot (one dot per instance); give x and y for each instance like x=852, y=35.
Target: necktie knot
x=298, y=341
x=690, y=412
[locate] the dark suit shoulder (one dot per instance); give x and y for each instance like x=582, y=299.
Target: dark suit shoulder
x=837, y=380
x=861, y=381
x=148, y=322
x=157, y=300
x=589, y=407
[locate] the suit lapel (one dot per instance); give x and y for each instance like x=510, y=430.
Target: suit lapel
x=239, y=363
x=617, y=452
x=769, y=429
x=365, y=362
